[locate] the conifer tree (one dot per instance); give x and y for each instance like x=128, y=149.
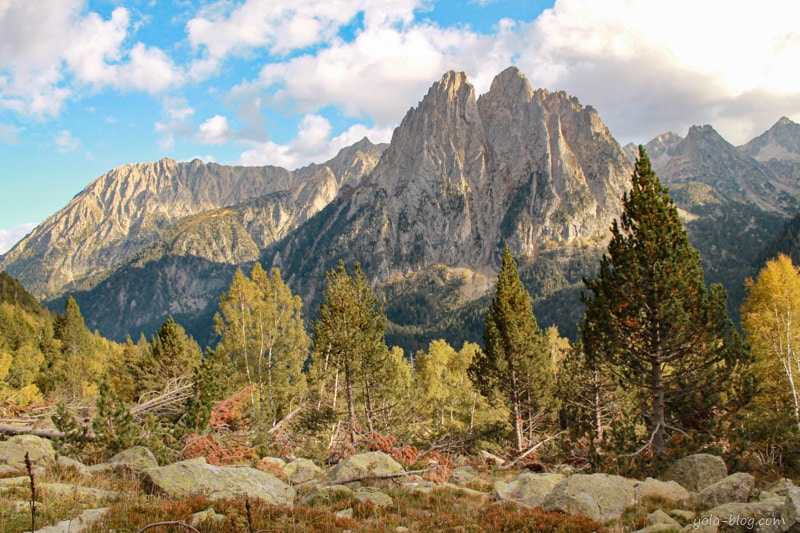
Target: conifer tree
x=514, y=366
x=349, y=347
x=651, y=318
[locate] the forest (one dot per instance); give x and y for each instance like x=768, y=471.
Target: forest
x=658, y=370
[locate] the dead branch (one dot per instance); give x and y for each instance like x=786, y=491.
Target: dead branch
x=285, y=419
x=170, y=400
x=530, y=451
x=169, y=523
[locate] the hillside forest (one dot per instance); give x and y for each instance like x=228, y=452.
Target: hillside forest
x=658, y=369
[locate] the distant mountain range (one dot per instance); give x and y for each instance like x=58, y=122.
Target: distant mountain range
x=426, y=216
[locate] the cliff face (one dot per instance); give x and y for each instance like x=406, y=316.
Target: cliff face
x=462, y=176
x=133, y=207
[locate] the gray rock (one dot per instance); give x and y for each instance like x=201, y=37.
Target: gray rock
x=654, y=488
x=528, y=488
x=462, y=475
x=195, y=476
x=378, y=498
x=41, y=452
x=87, y=495
x=420, y=486
x=209, y=515
x=660, y=517
x=77, y=524
x=326, y=495
x=363, y=465
x=696, y=472
x=759, y=517
x=127, y=462
x=601, y=497
x=301, y=471
x=735, y=488
x=68, y=463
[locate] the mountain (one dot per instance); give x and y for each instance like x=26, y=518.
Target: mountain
x=426, y=216
x=779, y=149
x=463, y=175
x=732, y=204
x=136, y=206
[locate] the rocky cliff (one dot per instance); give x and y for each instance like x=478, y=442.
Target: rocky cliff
x=462, y=176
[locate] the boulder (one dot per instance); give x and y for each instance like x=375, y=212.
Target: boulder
x=462, y=475
x=127, y=462
x=363, y=465
x=195, y=476
x=601, y=497
x=88, y=495
x=660, y=517
x=528, y=488
x=301, y=471
x=654, y=488
x=326, y=495
x=209, y=515
x=791, y=507
x=67, y=463
x=696, y=472
x=378, y=498
x=40, y=451
x=735, y=488
x=758, y=517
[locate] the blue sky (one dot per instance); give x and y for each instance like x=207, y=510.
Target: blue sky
x=86, y=86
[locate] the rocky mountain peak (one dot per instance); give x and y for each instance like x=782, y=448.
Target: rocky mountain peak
x=781, y=142
x=661, y=149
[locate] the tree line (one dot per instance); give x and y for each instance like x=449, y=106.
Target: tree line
x=659, y=369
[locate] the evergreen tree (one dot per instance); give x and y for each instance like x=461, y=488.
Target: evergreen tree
x=515, y=365
x=652, y=319
x=349, y=347
x=172, y=354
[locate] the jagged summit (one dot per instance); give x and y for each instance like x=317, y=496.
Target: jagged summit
x=781, y=142
x=464, y=174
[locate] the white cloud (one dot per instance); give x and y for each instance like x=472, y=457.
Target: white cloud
x=10, y=237
x=650, y=66
x=214, y=131
x=280, y=26
x=313, y=143
x=50, y=51
x=66, y=142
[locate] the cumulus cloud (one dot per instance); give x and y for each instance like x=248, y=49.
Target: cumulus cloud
x=312, y=143
x=280, y=26
x=214, y=131
x=10, y=237
x=9, y=134
x=50, y=51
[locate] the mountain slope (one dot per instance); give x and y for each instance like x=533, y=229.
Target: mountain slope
x=135, y=206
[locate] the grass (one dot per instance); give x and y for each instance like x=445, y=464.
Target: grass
x=441, y=510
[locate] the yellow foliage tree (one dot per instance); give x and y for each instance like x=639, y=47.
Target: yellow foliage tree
x=771, y=320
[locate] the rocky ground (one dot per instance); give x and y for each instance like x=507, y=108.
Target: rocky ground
x=373, y=492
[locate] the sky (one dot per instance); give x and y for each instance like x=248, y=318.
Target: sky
x=90, y=85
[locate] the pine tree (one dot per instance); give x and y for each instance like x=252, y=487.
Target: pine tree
x=349, y=347
x=651, y=317
x=515, y=365
x=172, y=354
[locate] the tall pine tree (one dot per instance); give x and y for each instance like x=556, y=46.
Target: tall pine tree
x=651, y=317
x=514, y=366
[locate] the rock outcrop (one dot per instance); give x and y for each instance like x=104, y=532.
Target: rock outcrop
x=601, y=497
x=696, y=472
x=195, y=476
